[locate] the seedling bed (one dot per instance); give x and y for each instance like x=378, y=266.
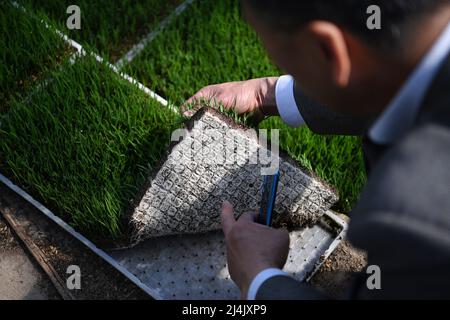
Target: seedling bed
x=109, y=27
x=29, y=52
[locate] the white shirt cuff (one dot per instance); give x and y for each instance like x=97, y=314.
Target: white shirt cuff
x=286, y=104
x=260, y=279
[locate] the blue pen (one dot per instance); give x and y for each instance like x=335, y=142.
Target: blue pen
x=269, y=194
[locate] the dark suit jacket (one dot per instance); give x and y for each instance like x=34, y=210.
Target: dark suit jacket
x=403, y=216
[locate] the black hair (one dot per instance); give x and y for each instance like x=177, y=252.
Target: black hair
x=352, y=15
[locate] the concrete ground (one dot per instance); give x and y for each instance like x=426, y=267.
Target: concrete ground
x=20, y=277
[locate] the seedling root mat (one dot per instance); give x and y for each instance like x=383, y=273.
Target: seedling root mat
x=219, y=160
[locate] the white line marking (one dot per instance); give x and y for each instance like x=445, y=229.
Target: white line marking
x=125, y=76
x=137, y=48
x=152, y=292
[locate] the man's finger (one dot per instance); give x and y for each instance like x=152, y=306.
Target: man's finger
x=193, y=99
x=189, y=113
x=249, y=216
x=227, y=217
x=204, y=94
x=194, y=103
x=189, y=107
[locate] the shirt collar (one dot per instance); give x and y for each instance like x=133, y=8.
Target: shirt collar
x=400, y=114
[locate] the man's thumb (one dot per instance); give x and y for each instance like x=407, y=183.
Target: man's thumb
x=227, y=217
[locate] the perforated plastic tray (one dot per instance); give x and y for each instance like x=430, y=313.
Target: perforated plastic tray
x=194, y=266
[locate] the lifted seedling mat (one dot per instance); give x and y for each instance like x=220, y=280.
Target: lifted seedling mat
x=215, y=159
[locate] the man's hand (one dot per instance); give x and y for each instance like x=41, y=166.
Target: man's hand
x=251, y=247
x=255, y=97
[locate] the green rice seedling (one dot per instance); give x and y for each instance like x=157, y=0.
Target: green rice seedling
x=109, y=27
x=85, y=145
x=211, y=43
x=27, y=51
x=214, y=104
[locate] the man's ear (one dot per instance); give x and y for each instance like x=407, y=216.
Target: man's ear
x=332, y=42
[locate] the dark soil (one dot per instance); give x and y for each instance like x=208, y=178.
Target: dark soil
x=339, y=270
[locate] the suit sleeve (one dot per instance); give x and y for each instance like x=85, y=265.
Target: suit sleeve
x=322, y=120
x=286, y=288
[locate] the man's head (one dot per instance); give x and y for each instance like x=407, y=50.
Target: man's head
x=339, y=61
